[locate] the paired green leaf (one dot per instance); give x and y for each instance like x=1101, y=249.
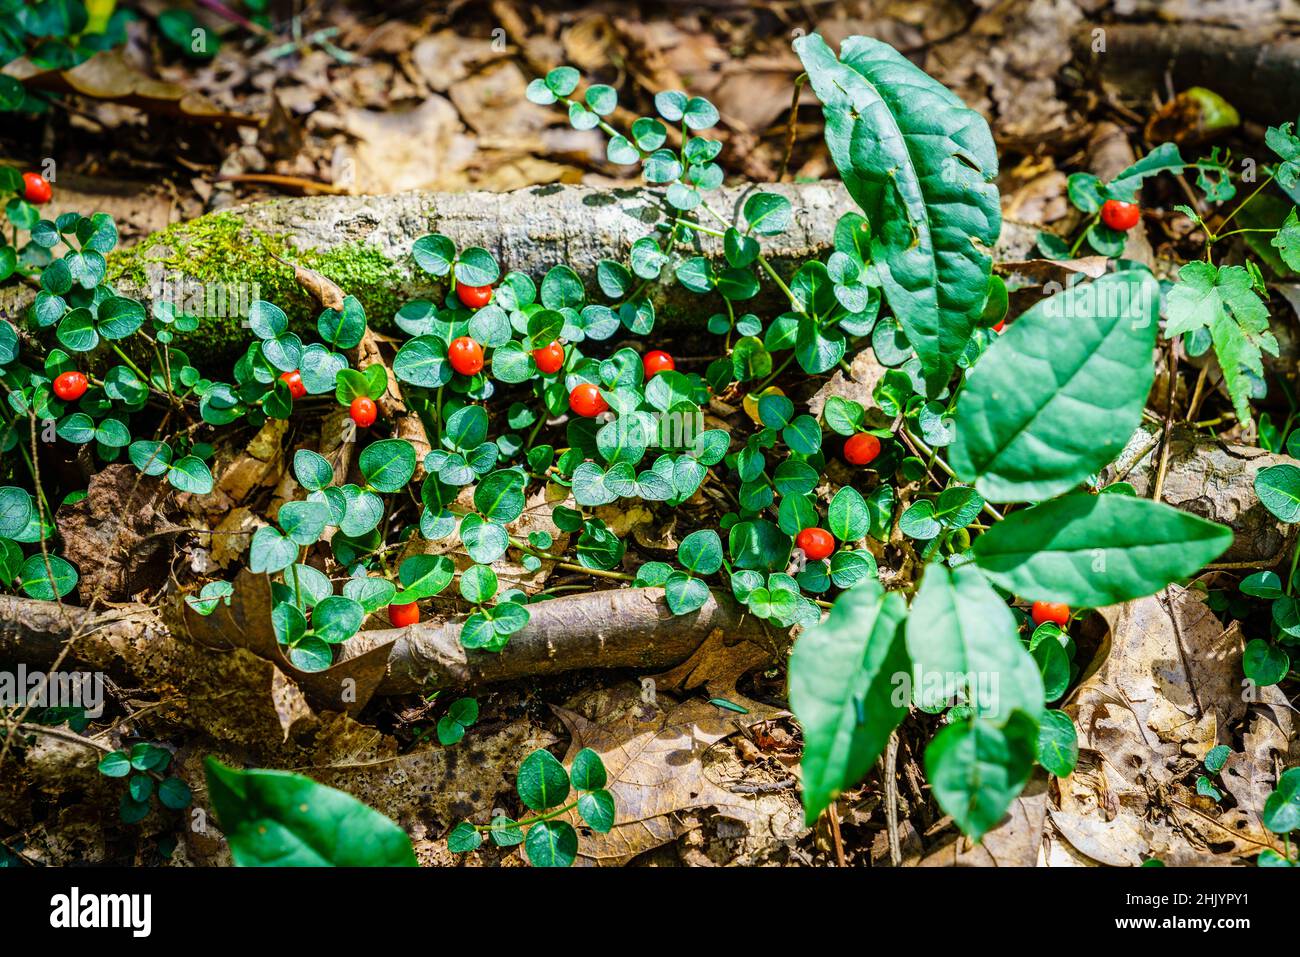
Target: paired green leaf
x=843, y=690
x=1058, y=395
x=1095, y=550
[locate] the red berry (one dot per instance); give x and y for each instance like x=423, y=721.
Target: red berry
x=656, y=362
x=587, y=401
x=1050, y=611
x=1120, y=216
x=294, y=381
x=817, y=543
x=861, y=449
x=363, y=411
x=70, y=386
x=550, y=360
x=402, y=615
x=466, y=356
x=36, y=188
x=476, y=297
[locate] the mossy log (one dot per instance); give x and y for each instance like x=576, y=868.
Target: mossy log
x=363, y=243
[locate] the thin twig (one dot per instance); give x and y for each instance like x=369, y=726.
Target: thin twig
x=791, y=125
x=1159, y=485
x=891, y=800
x=70, y=736
x=834, y=815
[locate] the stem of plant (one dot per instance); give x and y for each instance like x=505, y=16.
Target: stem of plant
x=992, y=512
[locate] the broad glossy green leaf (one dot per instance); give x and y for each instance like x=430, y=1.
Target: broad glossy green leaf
x=597, y=809
x=1058, y=743
x=1278, y=487
x=1058, y=395
x=423, y=576
x=370, y=592
x=921, y=164
x=1282, y=809
x=551, y=844
x=1094, y=550
x=463, y=837
x=588, y=771
x=847, y=517
x=387, y=464
x=842, y=690
x=1263, y=663
x=542, y=782
x=701, y=552
x=962, y=637
x=684, y=593
x=47, y=582
x=303, y=522
x=280, y=819
x=190, y=474
x=312, y=470
x=336, y=619
x=16, y=510
x=270, y=551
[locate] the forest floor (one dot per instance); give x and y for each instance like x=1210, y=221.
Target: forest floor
x=347, y=99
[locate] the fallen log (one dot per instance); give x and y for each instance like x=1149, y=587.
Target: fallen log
x=1257, y=71
x=617, y=628
x=363, y=243
x=216, y=264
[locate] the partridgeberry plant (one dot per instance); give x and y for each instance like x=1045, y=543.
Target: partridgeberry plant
x=933, y=545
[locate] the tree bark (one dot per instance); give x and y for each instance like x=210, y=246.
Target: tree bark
x=528, y=230
x=1257, y=71
x=616, y=628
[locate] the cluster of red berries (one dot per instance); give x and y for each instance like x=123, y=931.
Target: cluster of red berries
x=585, y=399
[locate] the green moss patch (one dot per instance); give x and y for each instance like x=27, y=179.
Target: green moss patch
x=220, y=255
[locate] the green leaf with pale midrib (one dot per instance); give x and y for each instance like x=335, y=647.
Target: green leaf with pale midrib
x=1058, y=396
x=921, y=165
x=1094, y=550
x=959, y=626
x=841, y=690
